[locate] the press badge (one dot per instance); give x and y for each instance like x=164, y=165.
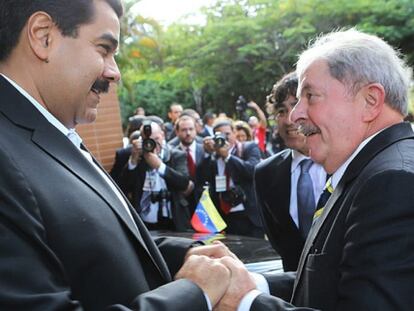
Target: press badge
x=221, y=183
x=149, y=183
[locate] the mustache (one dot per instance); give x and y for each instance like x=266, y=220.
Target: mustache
x=308, y=129
x=101, y=86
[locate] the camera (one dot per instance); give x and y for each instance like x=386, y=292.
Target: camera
x=162, y=197
x=219, y=139
x=148, y=144
x=234, y=196
x=241, y=104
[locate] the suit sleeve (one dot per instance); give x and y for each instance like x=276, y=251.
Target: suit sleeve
x=270, y=223
x=244, y=167
x=378, y=251
x=377, y=263
x=176, y=173
x=32, y=275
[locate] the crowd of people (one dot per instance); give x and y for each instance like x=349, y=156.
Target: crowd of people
x=192, y=153
x=337, y=204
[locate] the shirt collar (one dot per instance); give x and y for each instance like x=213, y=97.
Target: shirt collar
x=49, y=117
x=297, y=157
x=192, y=146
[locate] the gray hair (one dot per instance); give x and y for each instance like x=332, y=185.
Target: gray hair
x=355, y=58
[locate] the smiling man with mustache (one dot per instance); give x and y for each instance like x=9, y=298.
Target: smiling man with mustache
x=69, y=239
x=277, y=180
x=359, y=254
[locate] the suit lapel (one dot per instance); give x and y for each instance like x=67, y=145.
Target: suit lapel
x=199, y=154
x=61, y=149
x=381, y=141
x=280, y=191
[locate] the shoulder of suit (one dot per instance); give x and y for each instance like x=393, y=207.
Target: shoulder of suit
x=275, y=159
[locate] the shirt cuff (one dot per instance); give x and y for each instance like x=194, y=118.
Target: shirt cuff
x=210, y=308
x=247, y=301
x=131, y=166
x=161, y=169
x=261, y=283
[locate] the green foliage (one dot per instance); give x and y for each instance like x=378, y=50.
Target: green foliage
x=243, y=48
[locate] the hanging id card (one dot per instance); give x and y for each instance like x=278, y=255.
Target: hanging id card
x=221, y=183
x=149, y=183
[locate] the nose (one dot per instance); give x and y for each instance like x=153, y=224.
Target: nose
x=298, y=112
x=111, y=72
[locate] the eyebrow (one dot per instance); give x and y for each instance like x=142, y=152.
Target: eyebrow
x=110, y=38
x=305, y=88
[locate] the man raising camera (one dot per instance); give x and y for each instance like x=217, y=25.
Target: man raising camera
x=228, y=169
x=154, y=178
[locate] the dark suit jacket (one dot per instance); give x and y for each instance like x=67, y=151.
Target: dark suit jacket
x=359, y=255
x=121, y=159
x=273, y=186
x=66, y=241
x=195, y=195
x=176, y=178
x=241, y=170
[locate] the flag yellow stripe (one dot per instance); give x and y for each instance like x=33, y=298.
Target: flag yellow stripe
x=212, y=211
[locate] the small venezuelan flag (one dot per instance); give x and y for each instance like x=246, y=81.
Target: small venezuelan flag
x=206, y=218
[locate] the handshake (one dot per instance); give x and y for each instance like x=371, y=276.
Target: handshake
x=219, y=273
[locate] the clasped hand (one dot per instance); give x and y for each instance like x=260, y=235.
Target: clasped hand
x=219, y=273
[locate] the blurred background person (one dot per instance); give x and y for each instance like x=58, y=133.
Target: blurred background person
x=258, y=124
x=122, y=154
x=288, y=184
x=208, y=121
x=174, y=112
x=185, y=128
x=242, y=130
x=174, y=142
x=140, y=111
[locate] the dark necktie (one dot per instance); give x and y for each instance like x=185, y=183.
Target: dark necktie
x=225, y=206
x=190, y=164
x=306, y=198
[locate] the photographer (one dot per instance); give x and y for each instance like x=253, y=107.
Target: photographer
x=228, y=169
x=155, y=176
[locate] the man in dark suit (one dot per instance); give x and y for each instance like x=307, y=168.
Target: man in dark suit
x=185, y=129
x=174, y=112
x=154, y=181
x=359, y=254
x=228, y=169
x=277, y=181
x=68, y=238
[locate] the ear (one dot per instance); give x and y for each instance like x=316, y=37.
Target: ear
x=374, y=96
x=39, y=31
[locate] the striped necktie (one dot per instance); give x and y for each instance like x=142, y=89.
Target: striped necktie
x=323, y=199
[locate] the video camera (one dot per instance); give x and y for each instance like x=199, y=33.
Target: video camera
x=148, y=144
x=234, y=196
x=241, y=104
x=162, y=197
x=241, y=107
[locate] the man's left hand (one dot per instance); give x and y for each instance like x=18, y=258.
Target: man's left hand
x=241, y=283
